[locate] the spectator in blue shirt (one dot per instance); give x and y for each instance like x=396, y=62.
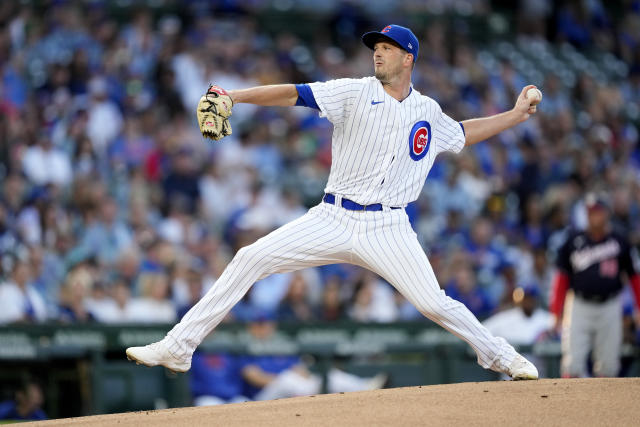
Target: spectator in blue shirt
x=215, y=379
x=464, y=288
x=26, y=406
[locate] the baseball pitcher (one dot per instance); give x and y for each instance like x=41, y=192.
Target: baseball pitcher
x=386, y=136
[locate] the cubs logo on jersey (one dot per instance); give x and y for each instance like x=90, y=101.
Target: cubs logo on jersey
x=419, y=140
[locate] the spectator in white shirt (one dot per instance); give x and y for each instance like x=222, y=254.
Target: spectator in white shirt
x=105, y=118
x=44, y=164
x=373, y=300
x=19, y=301
x=526, y=322
x=154, y=306
x=115, y=306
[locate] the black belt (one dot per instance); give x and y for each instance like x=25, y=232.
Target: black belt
x=353, y=206
x=594, y=297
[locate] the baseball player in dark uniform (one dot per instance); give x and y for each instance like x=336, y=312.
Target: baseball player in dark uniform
x=592, y=264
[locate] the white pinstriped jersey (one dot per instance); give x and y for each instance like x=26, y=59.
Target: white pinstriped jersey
x=382, y=149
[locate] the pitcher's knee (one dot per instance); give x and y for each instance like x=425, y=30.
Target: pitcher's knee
x=435, y=310
x=253, y=256
x=245, y=256
x=440, y=307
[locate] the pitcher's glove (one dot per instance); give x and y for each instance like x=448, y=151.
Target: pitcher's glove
x=214, y=109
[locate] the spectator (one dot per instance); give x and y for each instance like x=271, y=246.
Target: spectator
x=27, y=405
x=19, y=301
x=542, y=274
x=121, y=294
x=182, y=180
x=484, y=253
x=103, y=306
x=85, y=160
x=267, y=293
x=295, y=306
x=44, y=164
x=106, y=236
x=128, y=265
x=373, y=300
x=153, y=306
x=14, y=192
x=74, y=296
x=101, y=111
x=332, y=308
x=525, y=323
x=177, y=227
x=464, y=288
x=194, y=284
x=215, y=379
x=8, y=237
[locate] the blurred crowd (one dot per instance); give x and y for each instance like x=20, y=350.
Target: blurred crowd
x=113, y=208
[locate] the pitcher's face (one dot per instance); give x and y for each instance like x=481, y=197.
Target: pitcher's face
x=388, y=60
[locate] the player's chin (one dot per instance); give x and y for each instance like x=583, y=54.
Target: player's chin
x=383, y=77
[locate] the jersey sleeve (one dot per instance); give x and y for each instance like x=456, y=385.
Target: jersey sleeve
x=335, y=98
x=626, y=260
x=563, y=262
x=305, y=97
x=448, y=133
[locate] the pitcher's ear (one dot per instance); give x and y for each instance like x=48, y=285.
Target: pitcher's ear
x=409, y=57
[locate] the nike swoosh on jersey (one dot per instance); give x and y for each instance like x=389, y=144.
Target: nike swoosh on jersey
x=376, y=102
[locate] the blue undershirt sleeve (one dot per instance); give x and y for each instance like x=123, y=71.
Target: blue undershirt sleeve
x=462, y=126
x=305, y=97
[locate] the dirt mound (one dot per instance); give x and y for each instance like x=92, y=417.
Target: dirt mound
x=545, y=402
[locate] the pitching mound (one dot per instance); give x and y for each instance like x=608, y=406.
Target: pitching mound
x=545, y=402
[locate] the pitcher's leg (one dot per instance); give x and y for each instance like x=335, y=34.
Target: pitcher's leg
x=393, y=252
x=317, y=238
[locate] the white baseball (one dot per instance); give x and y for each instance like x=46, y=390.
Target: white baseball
x=534, y=95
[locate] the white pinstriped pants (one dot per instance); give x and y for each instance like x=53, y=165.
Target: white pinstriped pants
x=381, y=241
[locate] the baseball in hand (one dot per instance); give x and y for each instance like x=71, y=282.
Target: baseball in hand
x=534, y=96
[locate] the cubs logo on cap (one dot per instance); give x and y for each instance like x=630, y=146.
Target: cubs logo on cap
x=419, y=140
x=403, y=36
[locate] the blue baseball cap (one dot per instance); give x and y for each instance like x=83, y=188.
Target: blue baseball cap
x=529, y=289
x=258, y=315
x=401, y=35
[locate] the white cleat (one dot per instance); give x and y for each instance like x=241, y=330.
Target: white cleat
x=522, y=369
x=157, y=354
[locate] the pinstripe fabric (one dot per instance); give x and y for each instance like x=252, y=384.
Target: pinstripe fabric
x=321, y=236
x=382, y=241
x=387, y=245
x=370, y=143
